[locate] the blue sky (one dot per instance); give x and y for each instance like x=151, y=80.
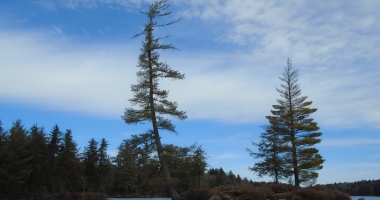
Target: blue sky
x=71, y=63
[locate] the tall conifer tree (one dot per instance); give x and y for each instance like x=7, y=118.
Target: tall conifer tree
x=19, y=165
x=152, y=101
x=298, y=131
x=38, y=148
x=4, y=139
x=55, y=141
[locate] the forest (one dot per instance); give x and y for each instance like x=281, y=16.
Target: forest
x=39, y=162
x=357, y=188
x=48, y=164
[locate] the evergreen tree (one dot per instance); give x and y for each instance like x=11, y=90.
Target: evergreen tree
x=39, y=149
x=68, y=163
x=90, y=161
x=3, y=159
x=153, y=101
x=199, y=163
x=55, y=140
x=270, y=149
x=298, y=131
x=221, y=177
x=19, y=160
x=231, y=178
x=104, y=167
x=132, y=173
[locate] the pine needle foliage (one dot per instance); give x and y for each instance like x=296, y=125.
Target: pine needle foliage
x=270, y=149
x=298, y=130
x=287, y=145
x=152, y=101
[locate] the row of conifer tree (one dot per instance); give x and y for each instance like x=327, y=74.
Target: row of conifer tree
x=33, y=161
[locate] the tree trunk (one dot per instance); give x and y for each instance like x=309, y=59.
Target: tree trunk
x=165, y=168
x=295, y=162
x=164, y=165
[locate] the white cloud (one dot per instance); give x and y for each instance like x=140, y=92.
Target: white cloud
x=336, y=51
x=349, y=142
x=41, y=70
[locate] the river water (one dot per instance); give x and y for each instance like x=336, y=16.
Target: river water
x=365, y=197
x=160, y=198
x=352, y=197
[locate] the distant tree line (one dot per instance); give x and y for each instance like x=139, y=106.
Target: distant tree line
x=357, y=188
x=34, y=161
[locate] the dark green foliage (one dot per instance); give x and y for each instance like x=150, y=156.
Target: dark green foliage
x=55, y=139
x=69, y=164
x=144, y=179
x=18, y=160
x=138, y=172
x=4, y=139
x=90, y=161
x=187, y=164
x=39, y=149
x=134, y=164
x=271, y=149
x=104, y=167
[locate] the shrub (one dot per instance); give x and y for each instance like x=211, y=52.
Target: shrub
x=197, y=194
x=295, y=197
x=76, y=195
x=255, y=194
x=285, y=195
x=281, y=188
x=90, y=195
x=64, y=195
x=103, y=195
x=341, y=196
x=312, y=194
x=331, y=194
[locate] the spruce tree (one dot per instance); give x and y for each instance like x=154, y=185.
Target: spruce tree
x=68, y=163
x=104, y=166
x=151, y=100
x=90, y=158
x=270, y=149
x=19, y=164
x=55, y=141
x=298, y=131
x=38, y=148
x=4, y=139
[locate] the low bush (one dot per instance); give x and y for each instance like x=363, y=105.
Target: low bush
x=255, y=194
x=196, y=194
x=281, y=188
x=76, y=195
x=64, y=195
x=266, y=192
x=311, y=194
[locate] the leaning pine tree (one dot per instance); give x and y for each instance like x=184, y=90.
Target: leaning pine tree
x=298, y=131
x=152, y=101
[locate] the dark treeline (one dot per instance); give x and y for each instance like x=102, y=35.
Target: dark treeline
x=36, y=161
x=357, y=188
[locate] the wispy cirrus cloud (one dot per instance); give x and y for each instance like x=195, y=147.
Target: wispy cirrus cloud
x=335, y=50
